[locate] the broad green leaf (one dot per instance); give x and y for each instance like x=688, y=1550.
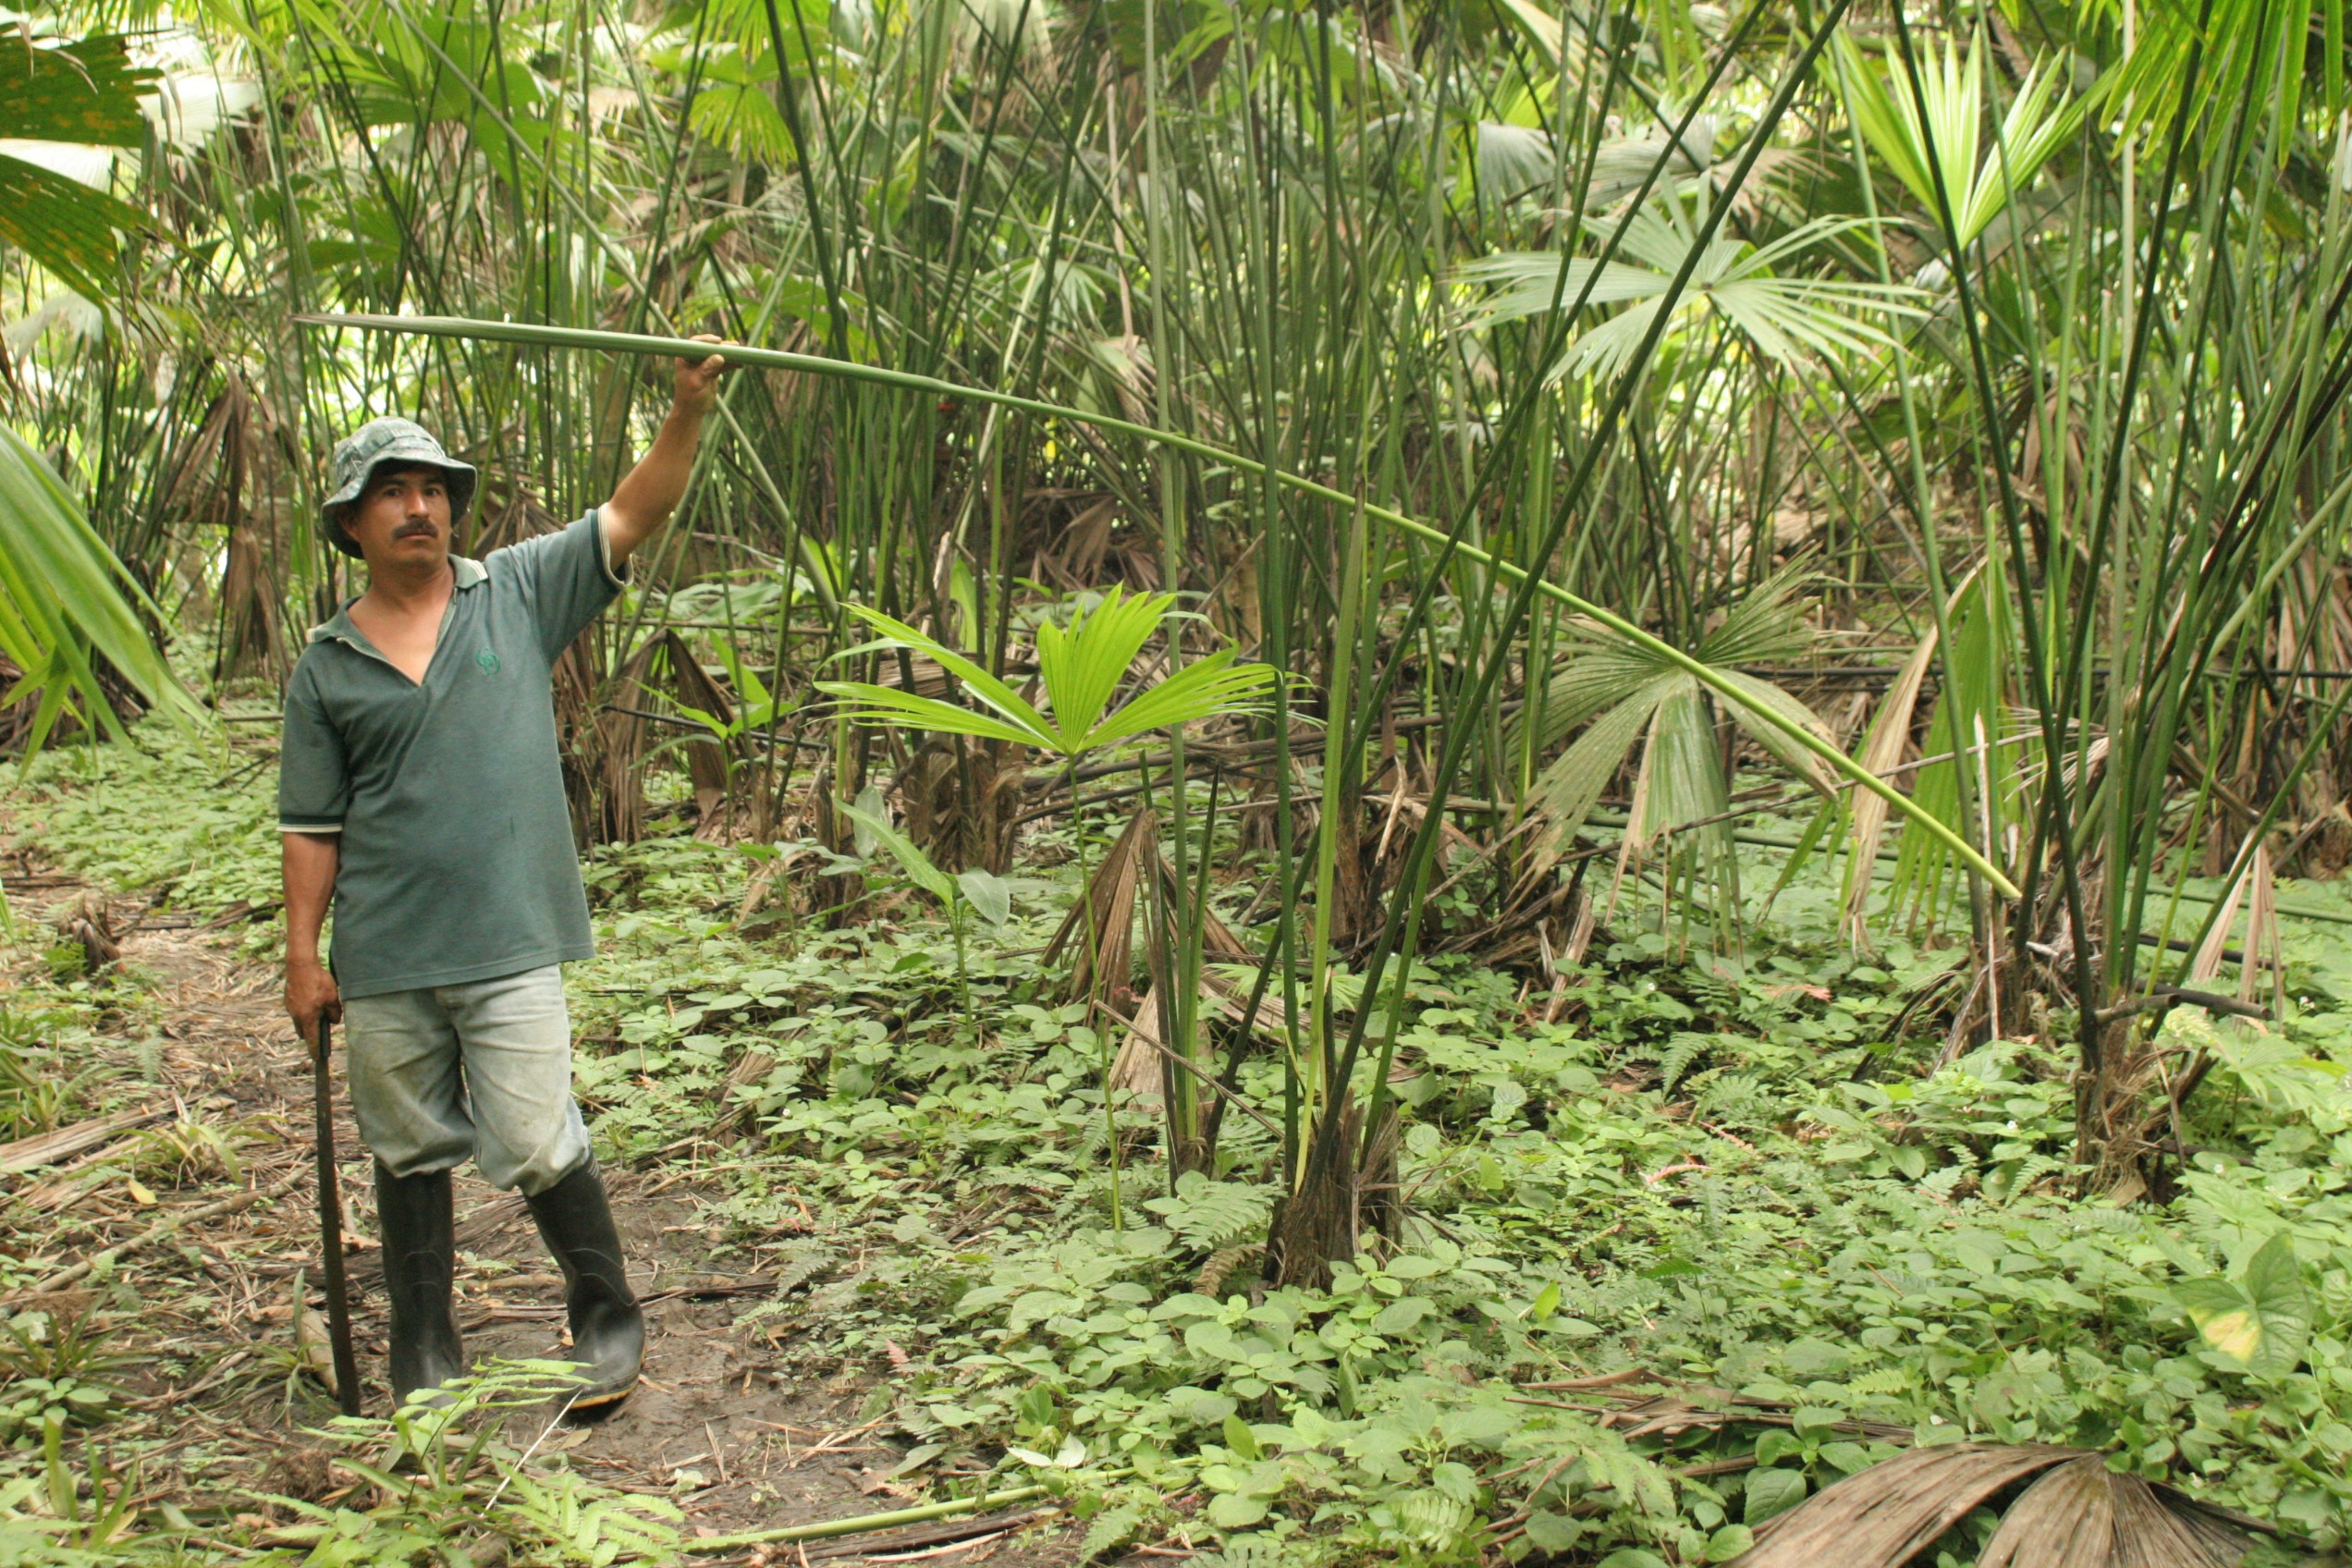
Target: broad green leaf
x=1769, y=1491
x=1593, y=678
x=1215, y=686
x=2261, y=1322
x=1553, y=1532
x=86, y=93
x=917, y=865
x=1976, y=185
x=63, y=224
x=1756, y=694
x=1083, y=666
x=990, y=895
x=708, y=720
x=748, y=685
x=995, y=694
x=1566, y=790
x=1627, y=694
x=1683, y=766
x=83, y=94
x=1789, y=319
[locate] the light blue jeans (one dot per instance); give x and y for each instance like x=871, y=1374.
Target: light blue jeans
x=481, y=1069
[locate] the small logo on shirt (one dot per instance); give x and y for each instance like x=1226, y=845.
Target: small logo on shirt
x=488, y=659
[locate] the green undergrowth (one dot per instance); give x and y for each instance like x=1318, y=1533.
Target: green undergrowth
x=1762, y=1183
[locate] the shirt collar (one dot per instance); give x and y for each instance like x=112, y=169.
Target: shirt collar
x=468, y=572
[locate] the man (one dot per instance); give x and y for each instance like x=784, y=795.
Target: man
x=420, y=789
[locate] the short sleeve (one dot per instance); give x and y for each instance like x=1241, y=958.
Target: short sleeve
x=567, y=578
x=313, y=782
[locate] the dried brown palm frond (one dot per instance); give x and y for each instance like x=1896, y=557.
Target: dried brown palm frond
x=1101, y=923
x=1136, y=1073
x=2082, y=1515
x=221, y=482
x=1889, y=736
x=2078, y=1513
x=602, y=747
x=1139, y=1069
x=707, y=758
x=250, y=636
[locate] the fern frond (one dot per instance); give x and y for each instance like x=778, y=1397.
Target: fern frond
x=1211, y=1215
x=1223, y=1264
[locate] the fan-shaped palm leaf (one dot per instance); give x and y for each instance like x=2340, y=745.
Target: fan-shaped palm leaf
x=1977, y=185
x=1626, y=693
x=1789, y=319
x=1082, y=668
x=1017, y=721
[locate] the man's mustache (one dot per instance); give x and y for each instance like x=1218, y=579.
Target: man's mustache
x=408, y=529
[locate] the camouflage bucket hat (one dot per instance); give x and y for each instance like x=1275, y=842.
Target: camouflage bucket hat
x=380, y=443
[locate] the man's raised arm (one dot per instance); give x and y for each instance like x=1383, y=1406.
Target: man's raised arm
x=652, y=490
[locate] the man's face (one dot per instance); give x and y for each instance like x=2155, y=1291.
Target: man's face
x=402, y=518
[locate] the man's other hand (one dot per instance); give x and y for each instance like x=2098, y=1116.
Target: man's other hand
x=696, y=387
x=311, y=995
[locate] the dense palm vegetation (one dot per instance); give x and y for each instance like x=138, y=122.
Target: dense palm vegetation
x=1515, y=461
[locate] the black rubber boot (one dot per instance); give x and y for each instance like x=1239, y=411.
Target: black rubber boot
x=412, y=1216
x=608, y=1329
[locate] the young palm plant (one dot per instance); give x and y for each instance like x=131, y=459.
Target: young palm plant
x=1082, y=668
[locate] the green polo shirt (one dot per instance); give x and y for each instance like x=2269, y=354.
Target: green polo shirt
x=458, y=862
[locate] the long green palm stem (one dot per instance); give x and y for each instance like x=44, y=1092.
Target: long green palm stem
x=815, y=364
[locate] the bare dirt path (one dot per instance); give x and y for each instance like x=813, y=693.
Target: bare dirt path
x=206, y=1309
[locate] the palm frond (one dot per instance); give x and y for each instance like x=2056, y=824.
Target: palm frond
x=1212, y=687
x=1684, y=762
x=1080, y=668
x=1600, y=671
x=1084, y=665
x=1015, y=710
x=67, y=598
x=1976, y=187
x=1788, y=319
x=1764, y=625
x=865, y=702
x=1564, y=792
x=1755, y=695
